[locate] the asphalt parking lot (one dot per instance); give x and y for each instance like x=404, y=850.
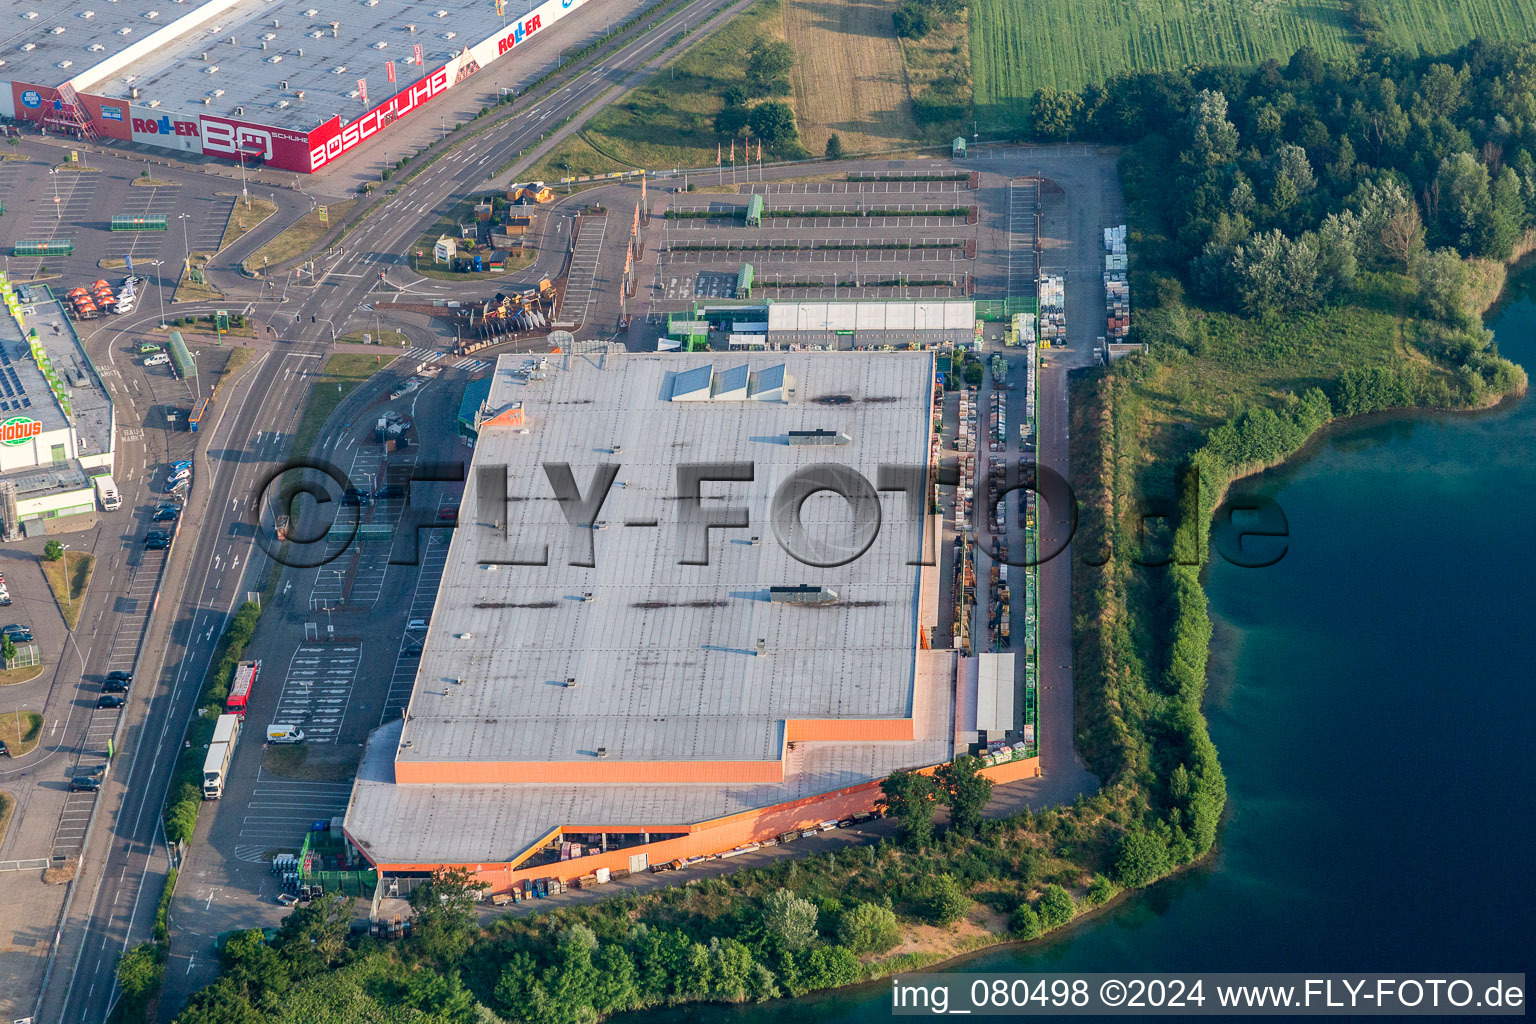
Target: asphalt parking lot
x=43, y=203
x=847, y=239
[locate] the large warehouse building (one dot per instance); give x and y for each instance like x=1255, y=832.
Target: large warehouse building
x=628, y=679
x=292, y=84
x=56, y=415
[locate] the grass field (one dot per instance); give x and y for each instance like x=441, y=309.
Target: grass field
x=21, y=731
x=244, y=219
x=299, y=237
x=341, y=376
x=848, y=74
x=1018, y=48
x=79, y=565
x=669, y=120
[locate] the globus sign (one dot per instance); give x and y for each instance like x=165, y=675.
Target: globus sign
x=342, y=139
x=19, y=430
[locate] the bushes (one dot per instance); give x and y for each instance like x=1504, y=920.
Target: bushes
x=941, y=900
x=868, y=928
x=1142, y=858
x=186, y=796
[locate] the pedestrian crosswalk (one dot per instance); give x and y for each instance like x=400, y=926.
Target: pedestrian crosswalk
x=282, y=810
x=423, y=356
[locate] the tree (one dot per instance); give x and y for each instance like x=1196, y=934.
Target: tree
x=1101, y=890
x=911, y=798
x=731, y=120
x=1142, y=858
x=443, y=915
x=1402, y=234
x=1056, y=907
x=868, y=928
x=731, y=968
x=774, y=123
x=1025, y=922
x=614, y=988
x=53, y=551
x=790, y=919
x=8, y=650
x=965, y=790
x=943, y=900
x=1442, y=284
x=834, y=147
x=1054, y=113
x=139, y=972
x=767, y=62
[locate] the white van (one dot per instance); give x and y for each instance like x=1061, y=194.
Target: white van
x=284, y=734
x=158, y=359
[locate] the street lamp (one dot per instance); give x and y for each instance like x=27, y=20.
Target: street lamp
x=186, y=261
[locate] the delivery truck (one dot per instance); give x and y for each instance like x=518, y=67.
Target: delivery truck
x=240, y=687
x=221, y=754
x=107, y=494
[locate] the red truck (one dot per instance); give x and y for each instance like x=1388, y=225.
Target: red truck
x=240, y=687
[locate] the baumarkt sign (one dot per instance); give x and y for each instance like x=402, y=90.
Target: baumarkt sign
x=19, y=430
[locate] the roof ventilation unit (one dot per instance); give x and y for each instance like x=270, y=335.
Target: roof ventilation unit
x=762, y=647
x=819, y=437
x=802, y=594
x=602, y=751
x=570, y=681
x=300, y=94
x=285, y=85
x=133, y=92
x=335, y=30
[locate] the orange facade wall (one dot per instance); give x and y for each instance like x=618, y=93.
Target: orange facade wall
x=849, y=730
x=1013, y=771
x=594, y=771
x=704, y=838
x=709, y=837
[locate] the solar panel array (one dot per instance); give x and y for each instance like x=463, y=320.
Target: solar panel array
x=11, y=387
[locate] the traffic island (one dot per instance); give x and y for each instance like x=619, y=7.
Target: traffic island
x=76, y=566
x=20, y=731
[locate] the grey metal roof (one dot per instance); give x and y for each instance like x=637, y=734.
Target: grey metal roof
x=664, y=654
x=92, y=31
x=24, y=391
x=461, y=824
x=177, y=76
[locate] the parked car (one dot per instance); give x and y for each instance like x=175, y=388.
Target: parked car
x=449, y=515
x=166, y=514
x=178, y=475
x=118, y=673
x=110, y=700
x=353, y=496
x=148, y=348
x=414, y=624
x=84, y=783
x=390, y=491
x=4, y=752
x=114, y=686
x=181, y=464
x=157, y=540
x=174, y=486
x=18, y=633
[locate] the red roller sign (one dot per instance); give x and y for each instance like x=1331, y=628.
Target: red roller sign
x=389, y=67
x=331, y=140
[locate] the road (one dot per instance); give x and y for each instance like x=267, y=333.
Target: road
x=114, y=898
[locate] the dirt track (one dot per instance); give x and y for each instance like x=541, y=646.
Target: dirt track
x=848, y=74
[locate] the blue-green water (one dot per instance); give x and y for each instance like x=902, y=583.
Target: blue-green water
x=1372, y=698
